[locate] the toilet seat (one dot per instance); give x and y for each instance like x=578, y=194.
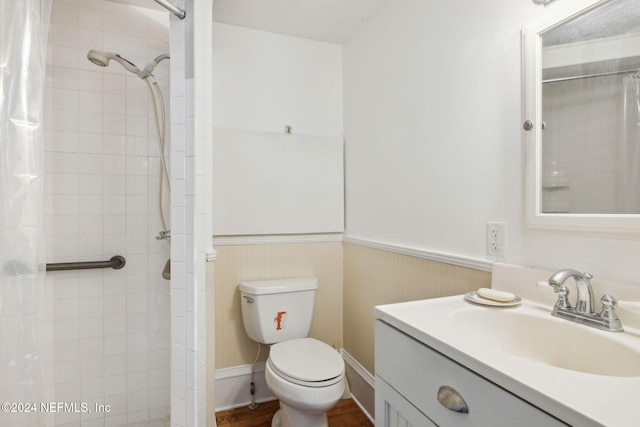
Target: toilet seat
x=307, y=362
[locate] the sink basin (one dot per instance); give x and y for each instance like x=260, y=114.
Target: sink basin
x=539, y=337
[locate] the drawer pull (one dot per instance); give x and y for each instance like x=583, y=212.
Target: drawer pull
x=451, y=399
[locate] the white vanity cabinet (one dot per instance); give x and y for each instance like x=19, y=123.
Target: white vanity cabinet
x=409, y=376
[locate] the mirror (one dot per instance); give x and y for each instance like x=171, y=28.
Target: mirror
x=582, y=116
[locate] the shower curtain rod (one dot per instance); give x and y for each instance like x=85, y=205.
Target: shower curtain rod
x=171, y=8
x=588, y=76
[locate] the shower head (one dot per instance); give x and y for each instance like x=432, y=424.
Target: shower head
x=98, y=58
x=102, y=59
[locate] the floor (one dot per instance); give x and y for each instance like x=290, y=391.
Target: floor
x=345, y=414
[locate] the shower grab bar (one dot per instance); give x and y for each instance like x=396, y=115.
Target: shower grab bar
x=116, y=262
x=171, y=8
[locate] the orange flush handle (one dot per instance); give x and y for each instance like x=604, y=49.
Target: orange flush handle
x=278, y=320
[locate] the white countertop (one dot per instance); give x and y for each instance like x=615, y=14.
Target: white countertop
x=577, y=398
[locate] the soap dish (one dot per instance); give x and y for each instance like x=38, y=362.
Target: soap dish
x=475, y=298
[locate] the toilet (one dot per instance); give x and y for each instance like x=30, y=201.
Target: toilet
x=305, y=374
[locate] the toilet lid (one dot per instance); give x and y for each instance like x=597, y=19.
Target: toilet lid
x=306, y=360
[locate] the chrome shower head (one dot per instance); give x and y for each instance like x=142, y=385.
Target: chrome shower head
x=102, y=59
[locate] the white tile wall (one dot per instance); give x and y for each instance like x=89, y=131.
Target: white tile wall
x=189, y=207
x=110, y=329
x=581, y=140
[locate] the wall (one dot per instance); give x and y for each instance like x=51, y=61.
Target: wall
x=239, y=263
x=262, y=82
x=109, y=329
x=373, y=276
x=434, y=138
x=190, y=210
x=266, y=180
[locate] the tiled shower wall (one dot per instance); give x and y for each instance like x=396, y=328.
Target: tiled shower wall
x=108, y=329
x=583, y=129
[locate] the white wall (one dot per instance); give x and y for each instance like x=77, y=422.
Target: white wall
x=433, y=136
x=264, y=180
x=264, y=81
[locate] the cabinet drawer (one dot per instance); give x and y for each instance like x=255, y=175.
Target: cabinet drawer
x=417, y=372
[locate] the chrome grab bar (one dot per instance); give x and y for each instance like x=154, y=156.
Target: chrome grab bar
x=116, y=262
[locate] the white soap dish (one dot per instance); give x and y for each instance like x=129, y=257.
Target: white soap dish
x=475, y=298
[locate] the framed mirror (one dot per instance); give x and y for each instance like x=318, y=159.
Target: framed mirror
x=582, y=117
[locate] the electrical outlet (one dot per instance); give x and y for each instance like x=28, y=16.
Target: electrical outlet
x=496, y=237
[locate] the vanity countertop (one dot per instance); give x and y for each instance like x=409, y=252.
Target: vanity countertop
x=577, y=398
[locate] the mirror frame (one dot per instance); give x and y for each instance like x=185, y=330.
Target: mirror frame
x=532, y=110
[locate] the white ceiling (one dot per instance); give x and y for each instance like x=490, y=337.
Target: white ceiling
x=323, y=20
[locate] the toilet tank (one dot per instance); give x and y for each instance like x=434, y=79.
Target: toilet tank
x=277, y=310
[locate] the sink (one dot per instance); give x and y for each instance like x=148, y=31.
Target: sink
x=539, y=337
x=581, y=375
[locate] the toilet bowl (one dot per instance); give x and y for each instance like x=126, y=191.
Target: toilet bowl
x=307, y=376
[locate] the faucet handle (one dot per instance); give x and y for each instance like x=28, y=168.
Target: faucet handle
x=608, y=307
x=608, y=313
x=563, y=297
x=561, y=290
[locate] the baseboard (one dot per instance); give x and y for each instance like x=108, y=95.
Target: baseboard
x=361, y=385
x=233, y=386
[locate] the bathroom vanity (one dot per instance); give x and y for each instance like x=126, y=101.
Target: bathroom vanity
x=450, y=362
x=410, y=375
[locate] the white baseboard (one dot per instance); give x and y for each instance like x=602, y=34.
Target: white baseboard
x=233, y=386
x=361, y=384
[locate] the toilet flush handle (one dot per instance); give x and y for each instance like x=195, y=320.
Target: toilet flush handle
x=248, y=298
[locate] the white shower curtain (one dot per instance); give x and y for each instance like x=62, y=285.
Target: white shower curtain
x=23, y=36
x=629, y=167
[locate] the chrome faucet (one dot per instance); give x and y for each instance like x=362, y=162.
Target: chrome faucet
x=584, y=312
x=585, y=303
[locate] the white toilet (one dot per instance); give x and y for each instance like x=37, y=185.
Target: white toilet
x=305, y=374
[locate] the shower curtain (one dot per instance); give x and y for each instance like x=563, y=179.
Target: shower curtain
x=23, y=36
x=629, y=168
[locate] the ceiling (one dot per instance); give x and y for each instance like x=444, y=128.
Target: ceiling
x=323, y=20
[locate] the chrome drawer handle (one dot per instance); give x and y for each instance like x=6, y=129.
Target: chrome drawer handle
x=451, y=399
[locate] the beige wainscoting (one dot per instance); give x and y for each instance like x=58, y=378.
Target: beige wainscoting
x=242, y=262
x=374, y=276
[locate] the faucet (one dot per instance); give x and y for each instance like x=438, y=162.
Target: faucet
x=584, y=312
x=585, y=303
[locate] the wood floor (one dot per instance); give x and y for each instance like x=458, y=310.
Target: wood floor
x=345, y=414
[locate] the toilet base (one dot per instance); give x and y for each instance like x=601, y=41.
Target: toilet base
x=276, y=421
x=290, y=417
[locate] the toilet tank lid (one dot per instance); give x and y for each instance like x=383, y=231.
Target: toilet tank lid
x=262, y=287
